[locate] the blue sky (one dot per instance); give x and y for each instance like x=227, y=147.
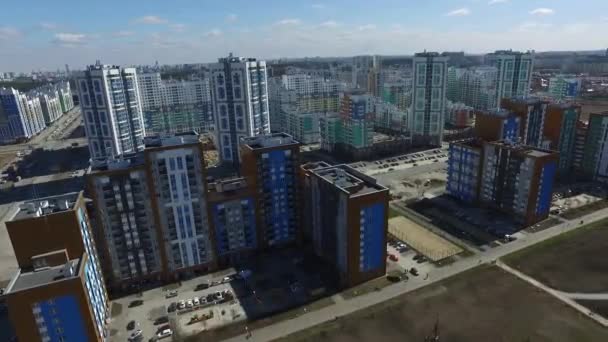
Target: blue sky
x=48, y=34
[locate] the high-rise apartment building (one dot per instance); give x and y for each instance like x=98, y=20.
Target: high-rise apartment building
x=349, y=214
x=427, y=114
x=465, y=161
x=475, y=86
x=240, y=103
x=50, y=104
x=533, y=114
x=498, y=125
x=58, y=293
x=353, y=128
x=129, y=240
x=270, y=164
x=152, y=207
x=176, y=168
x=595, y=155
x=560, y=130
x=111, y=107
x=232, y=212
x=172, y=106
x=564, y=86
x=514, y=73
x=459, y=115
x=65, y=96
x=518, y=180
x=21, y=116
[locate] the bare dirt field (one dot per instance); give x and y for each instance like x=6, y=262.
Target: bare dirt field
x=422, y=240
x=571, y=262
x=484, y=304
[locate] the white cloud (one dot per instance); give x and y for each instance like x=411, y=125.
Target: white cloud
x=532, y=26
x=214, y=33
x=494, y=2
x=70, y=39
x=178, y=27
x=289, y=21
x=8, y=33
x=231, y=18
x=318, y=6
x=48, y=26
x=542, y=11
x=366, y=27
x=151, y=20
x=459, y=12
x=329, y=24
x=123, y=33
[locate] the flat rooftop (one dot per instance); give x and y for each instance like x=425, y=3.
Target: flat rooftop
x=171, y=140
x=528, y=150
x=315, y=165
x=46, y=206
x=349, y=180
x=123, y=162
x=269, y=140
x=34, y=278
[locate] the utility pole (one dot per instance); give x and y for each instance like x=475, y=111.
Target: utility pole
x=435, y=336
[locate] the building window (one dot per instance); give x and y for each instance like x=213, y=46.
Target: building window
x=224, y=124
x=236, y=79
x=180, y=163
x=83, y=85
x=97, y=85
x=239, y=110
x=223, y=111
x=220, y=79
x=172, y=164
x=239, y=124
x=237, y=92
x=221, y=92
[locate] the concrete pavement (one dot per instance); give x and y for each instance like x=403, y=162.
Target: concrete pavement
x=343, y=308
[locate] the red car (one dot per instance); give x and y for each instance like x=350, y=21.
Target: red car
x=392, y=257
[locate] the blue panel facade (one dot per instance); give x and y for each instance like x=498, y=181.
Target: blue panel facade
x=572, y=89
x=279, y=186
x=545, y=191
x=63, y=319
x=14, y=116
x=224, y=228
x=358, y=110
x=372, y=237
x=94, y=282
x=463, y=166
x=510, y=129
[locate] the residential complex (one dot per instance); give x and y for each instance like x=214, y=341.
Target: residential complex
x=459, y=115
x=111, y=108
x=563, y=87
x=296, y=96
x=271, y=167
x=519, y=180
x=513, y=73
x=58, y=293
x=240, y=103
x=349, y=213
x=351, y=129
x=595, y=155
x=172, y=106
x=474, y=86
x=21, y=116
x=427, y=113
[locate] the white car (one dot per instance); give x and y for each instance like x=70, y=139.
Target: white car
x=171, y=294
x=189, y=303
x=181, y=305
x=195, y=301
x=164, y=333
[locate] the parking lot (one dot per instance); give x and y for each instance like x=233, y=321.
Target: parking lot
x=273, y=283
x=402, y=162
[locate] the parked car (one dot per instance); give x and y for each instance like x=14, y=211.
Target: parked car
x=414, y=271
x=172, y=307
x=161, y=320
x=189, y=303
x=131, y=325
x=181, y=305
x=137, y=335
x=201, y=286
x=393, y=257
x=136, y=303
x=171, y=294
x=164, y=333
x=195, y=301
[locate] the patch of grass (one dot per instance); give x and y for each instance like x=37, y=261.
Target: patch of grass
x=539, y=247
x=116, y=309
x=571, y=262
x=367, y=287
x=470, y=306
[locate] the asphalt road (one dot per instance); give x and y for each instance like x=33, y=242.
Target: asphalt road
x=342, y=308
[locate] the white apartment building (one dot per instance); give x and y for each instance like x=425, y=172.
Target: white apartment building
x=240, y=103
x=50, y=104
x=111, y=106
x=428, y=98
x=177, y=168
x=514, y=73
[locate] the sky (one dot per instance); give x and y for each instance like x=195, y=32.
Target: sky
x=43, y=34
